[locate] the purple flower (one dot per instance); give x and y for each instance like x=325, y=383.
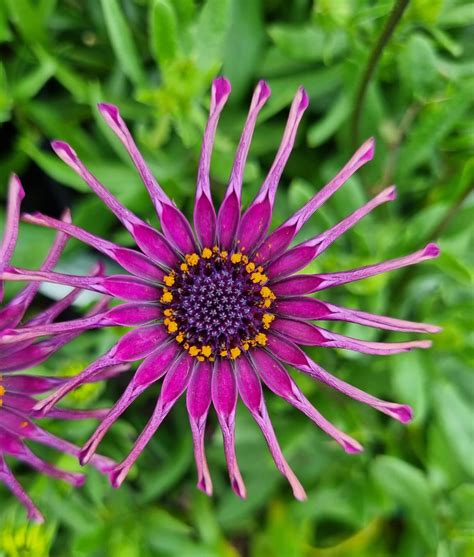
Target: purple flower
x=219, y=311
x=17, y=392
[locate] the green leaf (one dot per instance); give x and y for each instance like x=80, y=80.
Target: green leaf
x=418, y=66
x=211, y=32
x=122, y=41
x=455, y=419
x=410, y=381
x=163, y=31
x=407, y=486
x=321, y=131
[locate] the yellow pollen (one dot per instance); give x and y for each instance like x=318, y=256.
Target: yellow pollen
x=186, y=345
x=200, y=358
x=265, y=292
x=215, y=249
x=235, y=353
x=224, y=254
x=183, y=267
x=166, y=298
x=245, y=345
x=172, y=327
x=245, y=259
x=206, y=351
x=261, y=339
x=258, y=278
x=192, y=259
x=2, y=390
x=223, y=353
x=1, y=402
x=179, y=337
x=267, y=303
x=23, y=424
x=267, y=319
x=169, y=280
x=168, y=312
x=194, y=351
x=207, y=253
x=236, y=257
x=250, y=267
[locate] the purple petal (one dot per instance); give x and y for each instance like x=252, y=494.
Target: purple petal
x=150, y=371
x=15, y=197
x=256, y=219
x=224, y=398
x=290, y=354
x=229, y=212
x=198, y=400
x=174, y=385
x=148, y=239
x=204, y=212
x=105, y=361
x=131, y=260
x=137, y=344
x=300, y=256
x=307, y=284
x=310, y=308
x=308, y=334
x=111, y=115
x=30, y=384
x=177, y=229
x=251, y=393
x=7, y=478
x=121, y=286
x=278, y=380
x=282, y=237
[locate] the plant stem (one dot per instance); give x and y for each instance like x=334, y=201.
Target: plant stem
x=384, y=37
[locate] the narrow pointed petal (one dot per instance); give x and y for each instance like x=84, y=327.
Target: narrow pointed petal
x=45, y=405
x=15, y=197
x=308, y=334
x=147, y=238
x=125, y=315
x=224, y=398
x=174, y=385
x=307, y=284
x=250, y=390
x=229, y=213
x=198, y=401
x=256, y=219
x=131, y=260
x=31, y=384
x=14, y=446
x=13, y=312
x=122, y=286
x=301, y=255
x=278, y=380
x=204, y=212
x=282, y=236
x=290, y=354
x=111, y=115
x=8, y=479
x=310, y=308
x=150, y=370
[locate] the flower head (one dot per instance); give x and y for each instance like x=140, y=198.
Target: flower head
x=17, y=392
x=218, y=311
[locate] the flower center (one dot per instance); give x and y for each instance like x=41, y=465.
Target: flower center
x=217, y=304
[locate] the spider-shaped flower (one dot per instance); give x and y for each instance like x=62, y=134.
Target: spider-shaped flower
x=17, y=392
x=219, y=311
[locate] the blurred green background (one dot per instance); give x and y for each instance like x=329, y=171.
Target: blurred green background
x=410, y=494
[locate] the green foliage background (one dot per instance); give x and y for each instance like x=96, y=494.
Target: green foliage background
x=410, y=494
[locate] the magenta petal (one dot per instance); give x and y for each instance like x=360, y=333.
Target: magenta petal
x=111, y=115
x=256, y=219
x=7, y=478
x=15, y=197
x=282, y=236
x=307, y=284
x=229, y=212
x=224, y=398
x=278, y=380
x=308, y=334
x=310, y=308
x=198, y=401
x=289, y=353
x=177, y=229
x=174, y=385
x=250, y=391
x=138, y=343
x=301, y=255
x=132, y=261
x=204, y=212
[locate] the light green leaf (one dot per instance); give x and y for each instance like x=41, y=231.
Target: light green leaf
x=163, y=31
